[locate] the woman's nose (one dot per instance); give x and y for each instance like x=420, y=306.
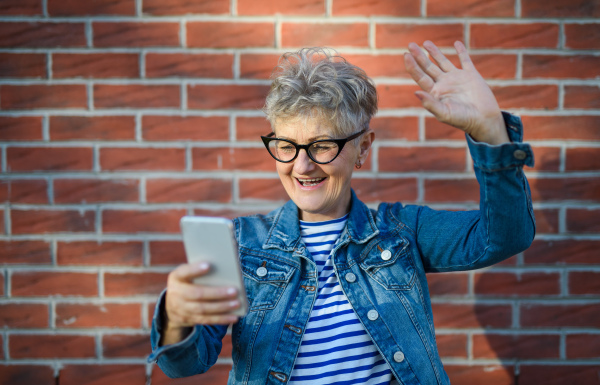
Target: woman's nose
x=303, y=164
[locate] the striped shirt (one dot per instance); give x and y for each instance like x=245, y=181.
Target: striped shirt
x=335, y=348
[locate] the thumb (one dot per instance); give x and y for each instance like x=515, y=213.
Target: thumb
x=432, y=105
x=188, y=272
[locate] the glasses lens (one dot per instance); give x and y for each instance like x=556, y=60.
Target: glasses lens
x=323, y=151
x=282, y=150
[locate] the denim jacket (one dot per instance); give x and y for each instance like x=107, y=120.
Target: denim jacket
x=421, y=240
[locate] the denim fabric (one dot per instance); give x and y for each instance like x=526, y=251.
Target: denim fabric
x=421, y=240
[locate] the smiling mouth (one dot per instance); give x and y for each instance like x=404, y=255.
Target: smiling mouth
x=310, y=182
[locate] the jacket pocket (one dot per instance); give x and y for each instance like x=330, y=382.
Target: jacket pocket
x=265, y=280
x=388, y=261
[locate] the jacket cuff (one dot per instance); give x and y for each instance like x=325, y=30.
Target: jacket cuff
x=489, y=157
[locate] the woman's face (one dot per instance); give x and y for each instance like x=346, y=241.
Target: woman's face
x=321, y=191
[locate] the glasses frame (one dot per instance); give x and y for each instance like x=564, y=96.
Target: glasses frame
x=340, y=143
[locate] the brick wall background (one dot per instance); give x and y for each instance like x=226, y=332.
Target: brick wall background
x=117, y=117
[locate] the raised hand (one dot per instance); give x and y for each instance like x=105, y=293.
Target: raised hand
x=456, y=96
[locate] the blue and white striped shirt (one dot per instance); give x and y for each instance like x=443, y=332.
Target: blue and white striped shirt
x=335, y=348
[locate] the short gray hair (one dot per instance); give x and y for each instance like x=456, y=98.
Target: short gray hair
x=315, y=81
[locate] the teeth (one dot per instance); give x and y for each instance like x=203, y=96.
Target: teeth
x=310, y=182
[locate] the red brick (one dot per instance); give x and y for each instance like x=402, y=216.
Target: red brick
x=182, y=7
x=103, y=374
x=99, y=253
x=561, y=252
x=397, y=96
x=218, y=374
x=189, y=65
x=96, y=7
x=448, y=284
x=108, y=315
x=188, y=190
x=126, y=346
x=262, y=190
x=553, y=127
x=132, y=221
x=476, y=315
x=452, y=345
x=27, y=374
x=546, y=158
x=186, y=128
x=136, y=35
x=290, y=7
x=560, y=8
x=583, y=345
x=207, y=97
x=136, y=96
x=51, y=346
x=18, y=97
x=537, y=315
x=21, y=7
x=92, y=128
x=25, y=252
x=434, y=129
x=517, y=284
x=123, y=158
x=377, y=7
x=490, y=8
x=582, y=36
x=516, y=346
x=384, y=65
x=46, y=283
x=251, y=128
x=49, y=159
x=385, y=190
x=583, y=221
x=501, y=66
x=582, y=97
x=22, y=65
x=546, y=220
x=167, y=253
x=24, y=191
x=514, y=35
x=584, y=283
x=451, y=190
x=223, y=158
x=227, y=346
x=257, y=66
x=41, y=35
x=24, y=315
x=129, y=284
x=561, y=67
x=480, y=374
x=406, y=128
x=556, y=374
x=552, y=189
x=51, y=221
x=399, y=35
x=20, y=128
x=96, y=65
x=414, y=159
x=325, y=34
x=583, y=159
x=514, y=97
x=230, y=34
x=94, y=190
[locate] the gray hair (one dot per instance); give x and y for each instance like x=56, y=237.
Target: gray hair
x=314, y=81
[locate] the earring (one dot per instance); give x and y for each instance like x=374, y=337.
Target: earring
x=358, y=164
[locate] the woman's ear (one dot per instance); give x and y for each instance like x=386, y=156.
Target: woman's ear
x=366, y=141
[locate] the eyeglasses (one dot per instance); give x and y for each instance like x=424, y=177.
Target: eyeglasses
x=320, y=151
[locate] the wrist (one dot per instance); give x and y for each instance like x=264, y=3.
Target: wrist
x=492, y=131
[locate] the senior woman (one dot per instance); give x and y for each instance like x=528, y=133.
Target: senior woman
x=337, y=291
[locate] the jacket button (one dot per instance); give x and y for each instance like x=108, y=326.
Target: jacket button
x=372, y=315
x=520, y=154
x=261, y=271
x=350, y=277
x=398, y=356
x=386, y=255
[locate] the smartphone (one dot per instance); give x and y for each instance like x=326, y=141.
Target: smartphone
x=208, y=239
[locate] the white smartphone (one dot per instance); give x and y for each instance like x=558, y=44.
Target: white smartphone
x=208, y=239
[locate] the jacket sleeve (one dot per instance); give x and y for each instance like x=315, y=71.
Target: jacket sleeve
x=503, y=226
x=193, y=355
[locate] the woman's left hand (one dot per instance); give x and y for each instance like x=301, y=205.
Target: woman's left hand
x=456, y=96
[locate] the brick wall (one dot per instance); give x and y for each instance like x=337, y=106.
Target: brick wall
x=119, y=117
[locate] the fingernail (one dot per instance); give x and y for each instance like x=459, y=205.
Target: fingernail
x=234, y=303
x=231, y=291
x=203, y=266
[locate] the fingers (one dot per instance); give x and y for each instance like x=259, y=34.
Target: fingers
x=463, y=56
x=437, y=108
x=424, y=62
x=422, y=79
x=187, y=272
x=445, y=64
